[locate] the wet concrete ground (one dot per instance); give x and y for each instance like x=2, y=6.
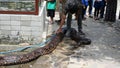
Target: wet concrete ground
x=103, y=52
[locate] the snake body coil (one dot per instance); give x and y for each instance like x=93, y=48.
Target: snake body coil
x=24, y=58
x=19, y=59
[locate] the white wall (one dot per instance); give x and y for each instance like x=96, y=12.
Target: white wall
x=27, y=28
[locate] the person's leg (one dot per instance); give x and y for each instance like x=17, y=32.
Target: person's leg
x=79, y=22
x=51, y=20
x=95, y=13
x=84, y=12
x=99, y=10
x=90, y=8
x=102, y=12
x=69, y=18
x=49, y=15
x=52, y=16
x=96, y=6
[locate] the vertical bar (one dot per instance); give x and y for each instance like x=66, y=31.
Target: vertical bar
x=43, y=15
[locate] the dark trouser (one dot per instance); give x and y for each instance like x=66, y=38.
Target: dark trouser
x=90, y=3
x=102, y=12
x=96, y=13
x=84, y=11
x=69, y=18
x=79, y=21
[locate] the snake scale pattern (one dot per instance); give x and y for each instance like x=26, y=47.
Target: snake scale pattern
x=24, y=58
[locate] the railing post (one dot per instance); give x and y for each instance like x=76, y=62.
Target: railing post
x=45, y=28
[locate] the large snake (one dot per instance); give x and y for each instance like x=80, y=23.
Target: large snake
x=24, y=58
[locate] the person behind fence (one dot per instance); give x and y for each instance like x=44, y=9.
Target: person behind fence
x=51, y=6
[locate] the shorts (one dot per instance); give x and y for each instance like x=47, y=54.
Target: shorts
x=50, y=13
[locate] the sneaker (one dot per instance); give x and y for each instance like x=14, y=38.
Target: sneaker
x=84, y=41
x=90, y=16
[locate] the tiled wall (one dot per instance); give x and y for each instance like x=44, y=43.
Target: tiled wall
x=26, y=28
x=17, y=28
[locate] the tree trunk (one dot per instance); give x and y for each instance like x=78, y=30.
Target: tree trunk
x=110, y=14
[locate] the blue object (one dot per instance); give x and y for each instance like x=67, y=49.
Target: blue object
x=85, y=2
x=24, y=48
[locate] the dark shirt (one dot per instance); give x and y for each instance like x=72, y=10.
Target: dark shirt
x=72, y=6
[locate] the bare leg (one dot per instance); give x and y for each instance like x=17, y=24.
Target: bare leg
x=51, y=20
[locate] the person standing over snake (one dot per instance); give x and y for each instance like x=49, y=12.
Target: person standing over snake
x=71, y=7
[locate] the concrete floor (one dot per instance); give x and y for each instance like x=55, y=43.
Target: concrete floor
x=103, y=52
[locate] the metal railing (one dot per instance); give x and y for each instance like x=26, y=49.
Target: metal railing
x=42, y=13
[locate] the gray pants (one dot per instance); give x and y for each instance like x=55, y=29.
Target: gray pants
x=79, y=21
